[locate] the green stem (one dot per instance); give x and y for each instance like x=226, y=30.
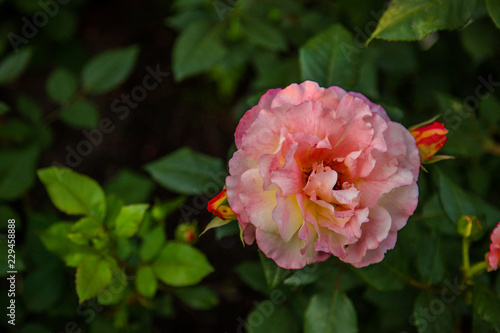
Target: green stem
x=465, y=254
x=477, y=269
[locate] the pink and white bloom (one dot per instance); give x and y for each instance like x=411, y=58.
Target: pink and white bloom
x=493, y=256
x=320, y=172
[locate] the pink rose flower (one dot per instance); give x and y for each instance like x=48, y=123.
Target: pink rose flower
x=494, y=254
x=319, y=172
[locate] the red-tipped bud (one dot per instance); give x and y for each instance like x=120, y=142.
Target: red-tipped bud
x=430, y=139
x=220, y=207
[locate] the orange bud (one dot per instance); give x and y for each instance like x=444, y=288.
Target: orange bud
x=220, y=207
x=429, y=139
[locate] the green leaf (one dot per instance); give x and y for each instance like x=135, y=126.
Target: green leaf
x=269, y=317
x=198, y=48
x=124, y=248
x=181, y=265
x=431, y=315
x=198, y=297
x=414, y=19
x=430, y=259
x=109, y=69
x=130, y=186
x=129, y=219
x=117, y=288
x=51, y=277
x=85, y=229
x=29, y=108
x=274, y=274
x=152, y=243
x=4, y=108
x=328, y=58
x=494, y=10
x=6, y=213
x=487, y=306
x=15, y=130
x=187, y=172
x=113, y=207
x=215, y=223
x=92, y=276
x=479, y=42
x=330, y=313
x=252, y=274
x=145, y=282
x=454, y=200
x=379, y=277
x=81, y=114
x=13, y=65
x=61, y=85
x=263, y=34
x=56, y=240
x=73, y=193
x=17, y=171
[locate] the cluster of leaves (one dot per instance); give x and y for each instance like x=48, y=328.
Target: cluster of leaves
x=421, y=283
x=403, y=56
x=117, y=248
x=111, y=237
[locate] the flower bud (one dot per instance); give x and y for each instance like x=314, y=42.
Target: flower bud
x=493, y=257
x=220, y=207
x=187, y=233
x=430, y=139
x=470, y=227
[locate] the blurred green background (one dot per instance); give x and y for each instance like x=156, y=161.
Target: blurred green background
x=144, y=97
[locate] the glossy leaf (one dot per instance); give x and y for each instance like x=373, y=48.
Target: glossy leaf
x=187, y=172
x=109, y=69
x=328, y=58
x=487, y=306
x=145, y=282
x=330, y=314
x=263, y=34
x=113, y=207
x=198, y=48
x=198, y=297
x=61, y=85
x=29, y=108
x=430, y=259
x=494, y=11
x=13, y=65
x=130, y=186
x=152, y=243
x=85, y=229
x=414, y=19
x=92, y=276
x=73, y=193
x=454, y=200
x=274, y=274
x=17, y=171
x=181, y=265
x=252, y=274
x=81, y=114
x=56, y=240
x=431, y=315
x=129, y=219
x=380, y=277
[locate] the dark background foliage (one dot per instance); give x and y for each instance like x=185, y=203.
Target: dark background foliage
x=221, y=56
